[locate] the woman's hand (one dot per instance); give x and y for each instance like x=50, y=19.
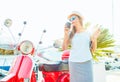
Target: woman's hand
x=66, y=38
x=96, y=32
x=66, y=31
x=94, y=38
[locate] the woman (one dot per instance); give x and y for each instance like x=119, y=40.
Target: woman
x=82, y=44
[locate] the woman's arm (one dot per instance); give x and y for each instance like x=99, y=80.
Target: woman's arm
x=94, y=39
x=66, y=39
x=93, y=44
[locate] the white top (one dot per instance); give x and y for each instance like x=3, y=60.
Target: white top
x=80, y=51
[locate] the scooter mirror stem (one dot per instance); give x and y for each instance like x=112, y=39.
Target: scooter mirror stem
x=44, y=31
x=40, y=42
x=20, y=34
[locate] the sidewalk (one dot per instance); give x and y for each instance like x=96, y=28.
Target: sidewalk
x=100, y=75
x=112, y=76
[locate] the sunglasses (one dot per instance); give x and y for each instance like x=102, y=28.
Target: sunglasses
x=72, y=18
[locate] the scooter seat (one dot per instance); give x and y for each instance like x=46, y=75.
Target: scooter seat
x=56, y=66
x=51, y=66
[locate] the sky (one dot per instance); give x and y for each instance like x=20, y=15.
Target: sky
x=50, y=15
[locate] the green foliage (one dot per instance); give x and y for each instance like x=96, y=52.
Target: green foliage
x=105, y=43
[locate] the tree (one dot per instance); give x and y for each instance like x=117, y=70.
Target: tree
x=105, y=44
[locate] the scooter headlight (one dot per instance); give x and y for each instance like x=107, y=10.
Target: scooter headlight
x=26, y=47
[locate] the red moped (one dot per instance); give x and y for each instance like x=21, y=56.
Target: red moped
x=22, y=70
x=56, y=71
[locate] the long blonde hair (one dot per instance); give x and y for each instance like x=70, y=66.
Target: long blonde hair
x=72, y=33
